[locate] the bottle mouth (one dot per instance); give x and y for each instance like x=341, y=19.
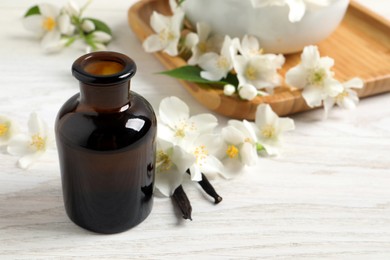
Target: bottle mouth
x=104, y=67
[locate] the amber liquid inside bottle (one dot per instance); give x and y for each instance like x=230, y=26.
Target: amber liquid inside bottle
x=106, y=142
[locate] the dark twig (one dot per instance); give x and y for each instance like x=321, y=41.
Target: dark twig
x=208, y=188
x=182, y=201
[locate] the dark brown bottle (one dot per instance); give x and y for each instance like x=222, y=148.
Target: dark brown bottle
x=106, y=143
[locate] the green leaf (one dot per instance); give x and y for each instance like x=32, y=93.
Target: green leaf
x=100, y=26
x=192, y=74
x=33, y=11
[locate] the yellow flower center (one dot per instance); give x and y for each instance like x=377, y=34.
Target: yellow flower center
x=200, y=153
x=180, y=133
x=166, y=35
x=222, y=63
x=342, y=95
x=163, y=161
x=268, y=131
x=202, y=47
x=250, y=73
x=38, y=142
x=182, y=128
x=3, y=129
x=317, y=77
x=49, y=24
x=232, y=151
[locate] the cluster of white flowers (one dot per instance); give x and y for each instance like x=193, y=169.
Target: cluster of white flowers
x=59, y=28
x=256, y=73
x=297, y=7
x=315, y=77
x=28, y=146
x=190, y=143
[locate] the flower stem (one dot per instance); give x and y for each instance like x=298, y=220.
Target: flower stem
x=208, y=188
x=182, y=201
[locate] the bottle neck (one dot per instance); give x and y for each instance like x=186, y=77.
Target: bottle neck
x=104, y=80
x=105, y=97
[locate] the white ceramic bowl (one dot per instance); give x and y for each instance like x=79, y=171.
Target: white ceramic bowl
x=270, y=24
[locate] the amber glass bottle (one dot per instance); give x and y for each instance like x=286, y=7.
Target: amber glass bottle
x=106, y=143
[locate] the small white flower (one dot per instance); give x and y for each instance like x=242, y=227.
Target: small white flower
x=217, y=66
x=168, y=29
x=260, y=71
x=32, y=146
x=269, y=127
x=314, y=75
x=250, y=46
x=200, y=42
x=237, y=151
x=205, y=148
x=177, y=126
x=172, y=163
x=7, y=130
x=247, y=92
x=229, y=90
x=50, y=25
x=348, y=98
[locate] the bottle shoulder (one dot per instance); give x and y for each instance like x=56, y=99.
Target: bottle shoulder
x=85, y=127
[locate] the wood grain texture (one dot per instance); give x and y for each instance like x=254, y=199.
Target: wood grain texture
x=360, y=46
x=326, y=196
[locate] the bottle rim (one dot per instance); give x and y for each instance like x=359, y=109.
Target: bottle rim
x=128, y=71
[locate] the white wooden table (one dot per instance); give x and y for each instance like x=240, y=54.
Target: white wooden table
x=326, y=196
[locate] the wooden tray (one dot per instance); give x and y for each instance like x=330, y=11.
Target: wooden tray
x=360, y=47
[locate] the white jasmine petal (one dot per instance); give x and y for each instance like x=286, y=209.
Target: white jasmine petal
x=249, y=46
x=64, y=24
x=7, y=130
x=48, y=10
x=32, y=146
x=204, y=123
x=354, y=83
x=314, y=75
x=237, y=150
x=217, y=66
x=52, y=42
x=260, y=71
x=173, y=110
x=269, y=128
x=72, y=8
x=204, y=148
x=168, y=30
x=201, y=43
x=312, y=96
x=171, y=165
x=34, y=23
x=248, y=154
x=19, y=145
x=179, y=127
x=296, y=77
x=247, y=92
x=27, y=160
x=153, y=44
